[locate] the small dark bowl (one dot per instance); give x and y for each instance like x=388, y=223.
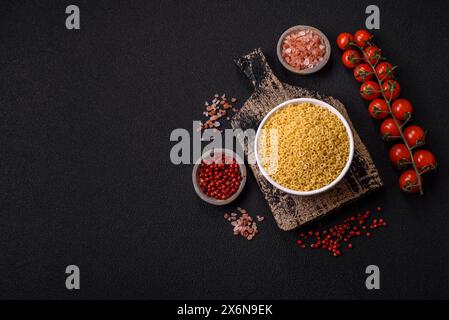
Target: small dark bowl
x=195, y=178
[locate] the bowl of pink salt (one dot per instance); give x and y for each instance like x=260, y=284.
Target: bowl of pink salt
x=303, y=49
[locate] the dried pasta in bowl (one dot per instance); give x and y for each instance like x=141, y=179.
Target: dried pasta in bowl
x=303, y=147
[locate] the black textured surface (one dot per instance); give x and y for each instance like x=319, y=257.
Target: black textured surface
x=86, y=177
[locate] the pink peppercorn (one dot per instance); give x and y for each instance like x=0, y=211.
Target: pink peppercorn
x=333, y=238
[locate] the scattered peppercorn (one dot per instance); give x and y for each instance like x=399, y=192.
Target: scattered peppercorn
x=332, y=239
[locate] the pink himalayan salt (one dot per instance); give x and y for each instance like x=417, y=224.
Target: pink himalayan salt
x=303, y=49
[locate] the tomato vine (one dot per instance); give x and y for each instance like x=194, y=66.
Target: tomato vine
x=381, y=82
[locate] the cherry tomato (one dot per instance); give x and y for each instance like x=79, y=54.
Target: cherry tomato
x=370, y=90
x=344, y=39
x=372, y=54
x=391, y=89
x=350, y=58
x=424, y=160
x=362, y=37
x=378, y=109
x=409, y=181
x=389, y=129
x=399, y=155
x=363, y=72
x=414, y=136
x=384, y=71
x=402, y=109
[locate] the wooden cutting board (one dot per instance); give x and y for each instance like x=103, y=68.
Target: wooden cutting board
x=294, y=211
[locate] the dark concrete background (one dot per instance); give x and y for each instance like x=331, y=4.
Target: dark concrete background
x=86, y=177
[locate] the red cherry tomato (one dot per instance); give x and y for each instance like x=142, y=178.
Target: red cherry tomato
x=384, y=71
x=399, y=155
x=370, y=90
x=402, y=109
x=415, y=136
x=362, y=37
x=372, y=54
x=363, y=72
x=409, y=181
x=391, y=89
x=378, y=109
x=424, y=160
x=350, y=58
x=389, y=129
x=344, y=39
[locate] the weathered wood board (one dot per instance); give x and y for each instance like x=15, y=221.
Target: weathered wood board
x=294, y=211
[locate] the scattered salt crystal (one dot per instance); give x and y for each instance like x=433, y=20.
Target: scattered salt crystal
x=217, y=108
x=244, y=225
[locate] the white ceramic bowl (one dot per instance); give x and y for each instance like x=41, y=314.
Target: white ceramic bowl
x=320, y=104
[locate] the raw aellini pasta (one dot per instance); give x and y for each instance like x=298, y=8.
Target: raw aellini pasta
x=303, y=147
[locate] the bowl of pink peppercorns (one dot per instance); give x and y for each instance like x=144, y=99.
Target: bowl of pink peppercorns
x=219, y=176
x=303, y=49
